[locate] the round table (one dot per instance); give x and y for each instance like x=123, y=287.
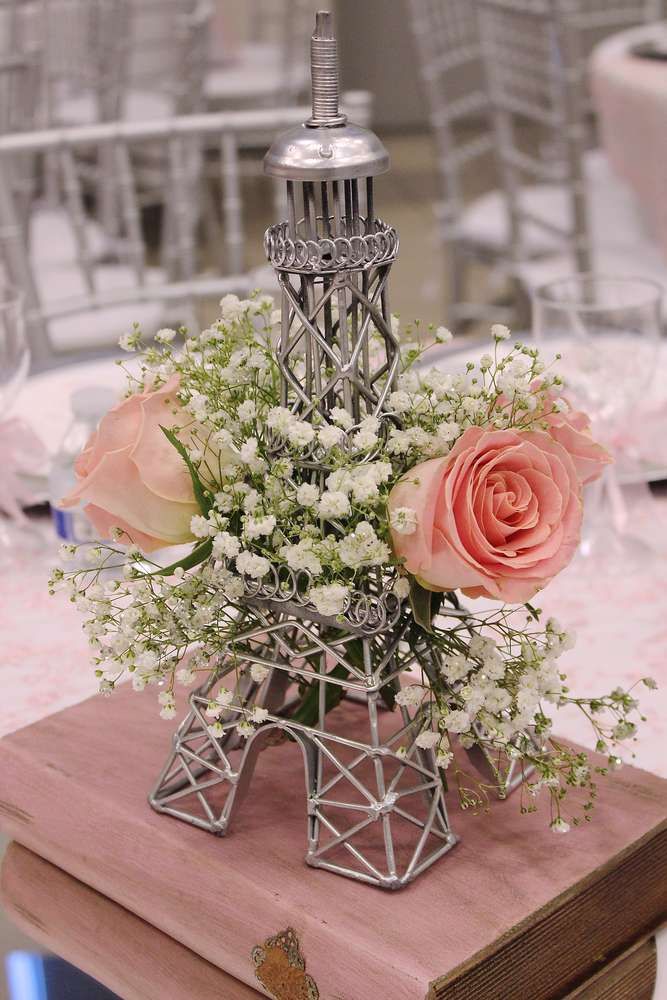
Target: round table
x=630, y=96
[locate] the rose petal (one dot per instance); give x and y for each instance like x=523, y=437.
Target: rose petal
x=116, y=486
x=103, y=522
x=418, y=490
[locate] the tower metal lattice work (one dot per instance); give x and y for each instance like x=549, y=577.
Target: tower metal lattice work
x=375, y=801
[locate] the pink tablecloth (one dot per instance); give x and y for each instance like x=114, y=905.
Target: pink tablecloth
x=630, y=95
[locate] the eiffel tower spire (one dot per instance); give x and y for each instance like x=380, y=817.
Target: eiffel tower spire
x=332, y=255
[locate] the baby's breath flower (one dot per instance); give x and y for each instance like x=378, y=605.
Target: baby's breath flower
x=330, y=436
x=245, y=728
x=342, y=418
x=457, y=722
x=247, y=410
x=226, y=545
x=252, y=565
x=329, y=599
x=410, y=696
x=500, y=332
x=403, y=520
x=427, y=739
x=362, y=547
x=307, y=495
x=165, y=335
x=258, y=672
x=200, y=527
x=130, y=341
x=257, y=527
x=334, y=504
x=259, y=714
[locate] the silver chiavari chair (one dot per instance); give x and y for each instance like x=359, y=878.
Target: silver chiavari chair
x=19, y=94
x=112, y=60
x=447, y=42
x=563, y=195
x=270, y=65
x=107, y=60
x=93, y=301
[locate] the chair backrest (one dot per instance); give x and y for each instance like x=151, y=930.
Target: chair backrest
x=20, y=63
x=167, y=42
x=187, y=279
x=287, y=25
x=447, y=42
x=19, y=92
x=84, y=55
x=532, y=61
x=104, y=51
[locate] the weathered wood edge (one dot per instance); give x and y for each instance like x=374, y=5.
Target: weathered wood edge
x=511, y=938
x=642, y=956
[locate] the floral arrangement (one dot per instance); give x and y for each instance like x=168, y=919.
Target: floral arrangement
x=467, y=485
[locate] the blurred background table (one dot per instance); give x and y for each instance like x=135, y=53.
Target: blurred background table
x=630, y=95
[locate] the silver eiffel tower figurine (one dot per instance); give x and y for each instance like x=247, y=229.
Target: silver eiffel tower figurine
x=375, y=800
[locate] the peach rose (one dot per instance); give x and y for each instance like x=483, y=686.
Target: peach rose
x=499, y=516
x=572, y=429
x=132, y=478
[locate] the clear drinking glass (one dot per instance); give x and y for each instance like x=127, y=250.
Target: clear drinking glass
x=14, y=362
x=608, y=332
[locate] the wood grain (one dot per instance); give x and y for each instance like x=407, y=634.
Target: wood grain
x=631, y=976
x=75, y=786
x=125, y=954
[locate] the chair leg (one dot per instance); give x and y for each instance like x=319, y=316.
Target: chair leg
x=456, y=281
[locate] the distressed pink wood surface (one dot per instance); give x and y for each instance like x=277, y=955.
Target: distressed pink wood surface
x=74, y=791
x=129, y=956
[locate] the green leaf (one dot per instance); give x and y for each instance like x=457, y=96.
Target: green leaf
x=307, y=712
x=388, y=693
x=198, y=555
x=425, y=604
x=201, y=496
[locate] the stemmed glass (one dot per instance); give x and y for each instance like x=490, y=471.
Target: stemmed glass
x=14, y=361
x=608, y=332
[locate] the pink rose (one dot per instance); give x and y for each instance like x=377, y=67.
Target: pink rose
x=572, y=429
x=499, y=516
x=132, y=478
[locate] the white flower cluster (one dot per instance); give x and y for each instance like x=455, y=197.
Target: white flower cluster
x=436, y=406
x=280, y=490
